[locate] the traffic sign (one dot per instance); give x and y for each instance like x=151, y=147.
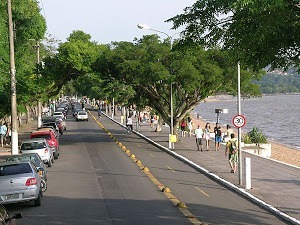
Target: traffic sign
x=239, y=121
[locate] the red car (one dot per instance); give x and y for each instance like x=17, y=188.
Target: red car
x=52, y=141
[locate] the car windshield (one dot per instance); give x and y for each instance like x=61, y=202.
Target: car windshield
x=33, y=145
x=15, y=169
x=82, y=113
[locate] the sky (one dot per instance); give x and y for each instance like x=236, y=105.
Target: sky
x=110, y=20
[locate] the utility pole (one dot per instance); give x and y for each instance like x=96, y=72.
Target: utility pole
x=14, y=115
x=39, y=112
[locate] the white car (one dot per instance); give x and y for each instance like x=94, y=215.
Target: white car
x=82, y=115
x=39, y=146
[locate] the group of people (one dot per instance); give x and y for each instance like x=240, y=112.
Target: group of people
x=204, y=134
x=5, y=133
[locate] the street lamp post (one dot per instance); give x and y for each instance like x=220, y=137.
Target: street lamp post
x=144, y=26
x=218, y=111
x=239, y=129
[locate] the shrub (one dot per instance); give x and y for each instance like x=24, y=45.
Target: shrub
x=254, y=136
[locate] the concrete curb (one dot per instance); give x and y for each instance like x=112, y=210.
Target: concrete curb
x=215, y=177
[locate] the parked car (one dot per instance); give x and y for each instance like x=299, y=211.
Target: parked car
x=62, y=121
x=50, y=138
x=82, y=115
x=57, y=114
x=57, y=126
x=38, y=163
x=39, y=146
x=30, y=157
x=49, y=128
x=20, y=182
x=6, y=218
x=63, y=111
x=3, y=158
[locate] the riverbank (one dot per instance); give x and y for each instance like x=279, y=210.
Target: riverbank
x=280, y=152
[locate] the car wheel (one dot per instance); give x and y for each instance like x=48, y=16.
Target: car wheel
x=52, y=160
x=55, y=155
x=38, y=201
x=49, y=163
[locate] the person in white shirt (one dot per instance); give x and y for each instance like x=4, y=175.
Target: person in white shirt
x=199, y=136
x=129, y=124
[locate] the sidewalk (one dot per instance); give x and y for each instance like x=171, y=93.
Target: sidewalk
x=275, y=186
x=23, y=134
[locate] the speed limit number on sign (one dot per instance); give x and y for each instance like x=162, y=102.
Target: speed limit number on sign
x=239, y=121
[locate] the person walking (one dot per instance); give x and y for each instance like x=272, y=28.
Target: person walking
x=182, y=126
x=8, y=135
x=99, y=113
x=207, y=135
x=218, y=137
x=227, y=133
x=190, y=126
x=3, y=130
x=199, y=135
x=129, y=124
x=232, y=150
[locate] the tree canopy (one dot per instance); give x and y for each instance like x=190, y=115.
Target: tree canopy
x=258, y=33
x=29, y=25
x=149, y=67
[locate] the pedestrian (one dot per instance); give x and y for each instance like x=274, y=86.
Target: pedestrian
x=129, y=124
x=190, y=126
x=207, y=135
x=218, y=137
x=8, y=135
x=151, y=121
x=3, y=130
x=227, y=133
x=99, y=114
x=182, y=127
x=199, y=135
x=232, y=150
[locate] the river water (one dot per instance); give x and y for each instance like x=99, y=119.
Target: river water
x=276, y=116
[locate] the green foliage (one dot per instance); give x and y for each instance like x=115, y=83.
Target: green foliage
x=254, y=136
x=256, y=32
x=274, y=83
x=149, y=67
x=73, y=60
x=29, y=24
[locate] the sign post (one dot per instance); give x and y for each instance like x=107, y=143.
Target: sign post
x=239, y=121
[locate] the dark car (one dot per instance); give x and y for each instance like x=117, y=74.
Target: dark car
x=51, y=121
x=6, y=218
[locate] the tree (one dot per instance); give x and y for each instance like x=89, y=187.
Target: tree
x=29, y=24
x=149, y=68
x=257, y=32
x=73, y=60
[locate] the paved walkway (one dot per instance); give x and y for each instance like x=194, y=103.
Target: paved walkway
x=275, y=186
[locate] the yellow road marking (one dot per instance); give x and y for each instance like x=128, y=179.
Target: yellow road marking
x=170, y=196
x=171, y=169
x=203, y=192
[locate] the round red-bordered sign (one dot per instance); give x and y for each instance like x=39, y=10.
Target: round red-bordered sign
x=239, y=121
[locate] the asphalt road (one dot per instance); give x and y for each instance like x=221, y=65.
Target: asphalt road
x=95, y=182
